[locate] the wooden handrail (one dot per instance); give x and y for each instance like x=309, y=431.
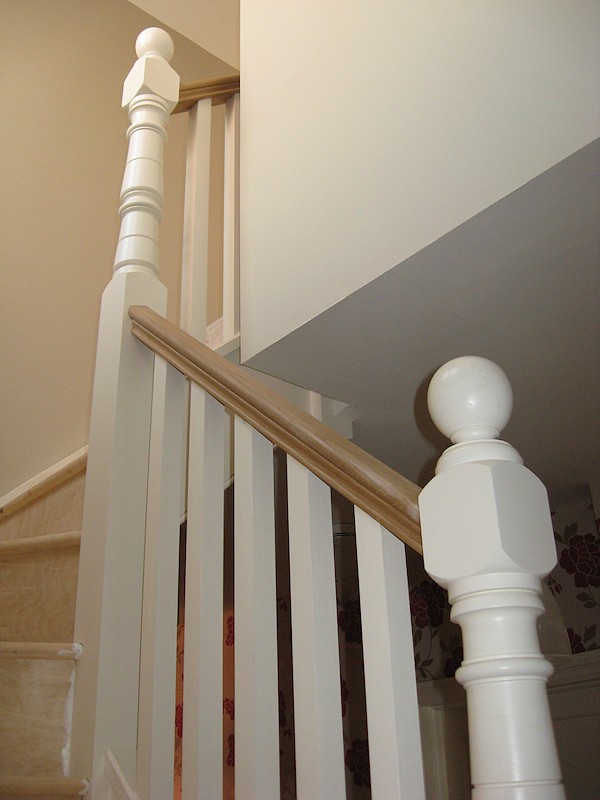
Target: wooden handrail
x=219, y=89
x=368, y=483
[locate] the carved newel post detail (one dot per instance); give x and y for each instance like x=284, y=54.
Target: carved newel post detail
x=151, y=91
x=487, y=538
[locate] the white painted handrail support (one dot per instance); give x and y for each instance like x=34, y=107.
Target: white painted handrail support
x=109, y=598
x=487, y=538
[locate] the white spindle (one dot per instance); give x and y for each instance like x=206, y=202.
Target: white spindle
x=112, y=551
x=194, y=275
x=255, y=604
x=390, y=686
x=231, y=231
x=202, y=772
x=487, y=537
x=161, y=568
x=317, y=698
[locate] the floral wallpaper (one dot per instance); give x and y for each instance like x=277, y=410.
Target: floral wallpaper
x=575, y=582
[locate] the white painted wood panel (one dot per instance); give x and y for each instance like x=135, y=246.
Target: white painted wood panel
x=109, y=598
x=202, y=755
x=390, y=685
x=255, y=603
x=161, y=567
x=231, y=216
x=194, y=273
x=317, y=698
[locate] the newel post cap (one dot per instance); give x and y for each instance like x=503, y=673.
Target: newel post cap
x=152, y=73
x=483, y=512
x=470, y=398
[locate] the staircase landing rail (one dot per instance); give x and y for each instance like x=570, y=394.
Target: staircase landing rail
x=219, y=90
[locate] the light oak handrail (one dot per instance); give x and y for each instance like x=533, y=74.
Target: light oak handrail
x=368, y=483
x=219, y=89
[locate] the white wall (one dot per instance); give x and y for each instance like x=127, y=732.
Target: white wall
x=62, y=155
x=370, y=130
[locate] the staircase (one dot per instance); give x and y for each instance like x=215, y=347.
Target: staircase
x=40, y=531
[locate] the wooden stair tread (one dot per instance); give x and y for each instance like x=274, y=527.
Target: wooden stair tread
x=42, y=787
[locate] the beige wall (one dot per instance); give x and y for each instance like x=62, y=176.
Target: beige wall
x=62, y=152
x=214, y=26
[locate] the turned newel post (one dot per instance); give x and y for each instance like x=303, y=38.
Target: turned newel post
x=111, y=567
x=487, y=538
x=151, y=91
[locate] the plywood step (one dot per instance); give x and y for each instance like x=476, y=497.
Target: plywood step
x=38, y=587
x=41, y=788
x=35, y=689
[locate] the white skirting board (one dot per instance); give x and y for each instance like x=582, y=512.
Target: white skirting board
x=574, y=692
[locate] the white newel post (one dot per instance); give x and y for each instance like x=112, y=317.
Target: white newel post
x=487, y=538
x=112, y=551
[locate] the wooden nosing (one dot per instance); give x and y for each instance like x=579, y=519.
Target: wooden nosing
x=76, y=787
x=218, y=89
x=14, y=548
x=64, y=651
x=371, y=485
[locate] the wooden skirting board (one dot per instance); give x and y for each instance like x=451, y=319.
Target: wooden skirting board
x=50, y=503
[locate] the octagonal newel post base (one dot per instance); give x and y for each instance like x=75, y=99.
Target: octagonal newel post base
x=487, y=538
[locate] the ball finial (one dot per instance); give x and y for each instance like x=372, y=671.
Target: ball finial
x=469, y=399
x=154, y=40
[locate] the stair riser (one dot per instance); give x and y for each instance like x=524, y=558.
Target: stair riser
x=34, y=708
x=37, y=596
x=57, y=511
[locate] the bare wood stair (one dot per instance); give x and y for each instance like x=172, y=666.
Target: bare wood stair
x=39, y=556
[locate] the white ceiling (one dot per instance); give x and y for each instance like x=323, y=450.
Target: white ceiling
x=519, y=283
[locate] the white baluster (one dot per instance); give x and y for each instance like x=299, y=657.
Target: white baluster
x=161, y=569
x=231, y=216
x=112, y=552
x=194, y=273
x=255, y=603
x=203, y=659
x=487, y=538
x=317, y=698
x=391, y=691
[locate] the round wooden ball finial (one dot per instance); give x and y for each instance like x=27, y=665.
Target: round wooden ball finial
x=154, y=40
x=469, y=399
